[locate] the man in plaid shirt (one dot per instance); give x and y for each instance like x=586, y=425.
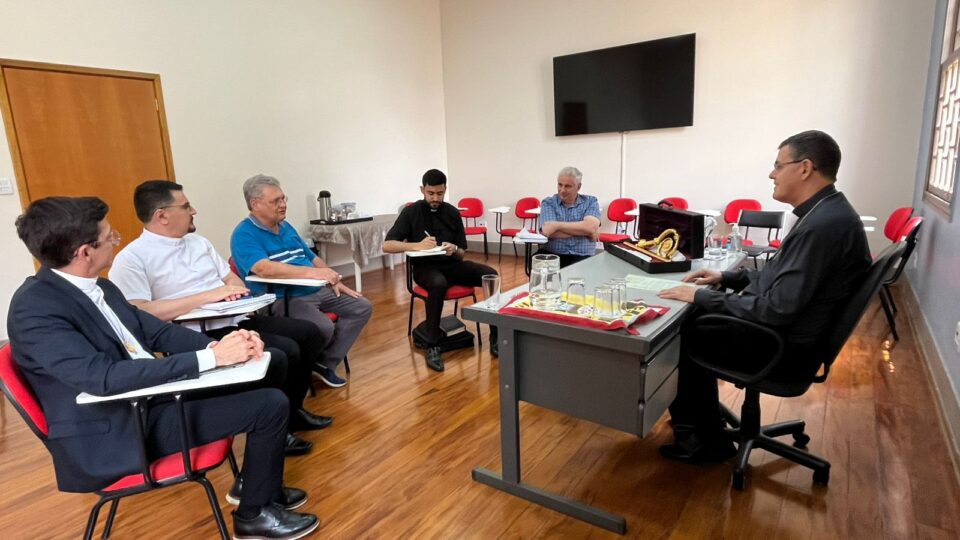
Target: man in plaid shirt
x=570, y=220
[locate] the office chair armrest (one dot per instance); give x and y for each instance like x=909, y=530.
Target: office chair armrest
x=711, y=322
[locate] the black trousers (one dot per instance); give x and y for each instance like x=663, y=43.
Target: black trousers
x=436, y=278
x=565, y=260
x=300, y=342
x=260, y=413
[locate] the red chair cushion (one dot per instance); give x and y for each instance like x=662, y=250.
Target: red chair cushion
x=332, y=316
x=509, y=232
x=474, y=207
x=524, y=205
x=202, y=458
x=20, y=392
x=893, y=230
x=732, y=213
x=455, y=292
x=475, y=230
x=610, y=237
x=616, y=210
x=775, y=243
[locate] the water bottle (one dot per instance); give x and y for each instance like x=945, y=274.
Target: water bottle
x=734, y=240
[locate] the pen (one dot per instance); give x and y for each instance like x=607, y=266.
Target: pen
x=426, y=233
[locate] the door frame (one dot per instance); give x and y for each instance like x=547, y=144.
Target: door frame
x=11, y=130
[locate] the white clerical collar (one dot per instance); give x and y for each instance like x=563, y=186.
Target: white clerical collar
x=85, y=284
x=160, y=239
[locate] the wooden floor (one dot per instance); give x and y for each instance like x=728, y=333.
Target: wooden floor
x=397, y=461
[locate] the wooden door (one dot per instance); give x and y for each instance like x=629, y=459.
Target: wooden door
x=77, y=131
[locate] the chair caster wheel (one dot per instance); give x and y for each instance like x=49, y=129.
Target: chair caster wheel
x=821, y=476
x=738, y=480
x=800, y=440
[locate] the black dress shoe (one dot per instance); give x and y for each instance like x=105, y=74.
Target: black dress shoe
x=295, y=446
x=434, y=361
x=290, y=497
x=303, y=420
x=689, y=448
x=274, y=523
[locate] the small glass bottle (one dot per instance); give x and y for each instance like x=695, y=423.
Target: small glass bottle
x=734, y=240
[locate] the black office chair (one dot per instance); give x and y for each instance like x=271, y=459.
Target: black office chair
x=911, y=229
x=771, y=380
x=758, y=219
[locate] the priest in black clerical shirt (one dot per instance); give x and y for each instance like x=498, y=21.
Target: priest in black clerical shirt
x=799, y=291
x=426, y=224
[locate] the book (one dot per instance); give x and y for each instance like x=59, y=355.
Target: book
x=451, y=325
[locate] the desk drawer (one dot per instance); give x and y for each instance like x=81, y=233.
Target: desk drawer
x=653, y=407
x=655, y=371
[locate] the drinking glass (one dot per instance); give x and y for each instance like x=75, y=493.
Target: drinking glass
x=491, y=290
x=603, y=302
x=576, y=291
x=714, y=248
x=619, y=286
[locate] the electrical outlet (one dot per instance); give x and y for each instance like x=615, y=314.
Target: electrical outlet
x=956, y=337
x=6, y=186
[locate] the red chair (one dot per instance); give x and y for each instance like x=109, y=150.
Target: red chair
x=894, y=229
x=522, y=211
x=731, y=214
x=472, y=209
x=186, y=466
x=455, y=293
x=677, y=203
x=616, y=213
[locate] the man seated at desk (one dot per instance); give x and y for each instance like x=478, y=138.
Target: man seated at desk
x=570, y=220
x=819, y=264
x=72, y=332
x=266, y=245
x=426, y=224
x=170, y=270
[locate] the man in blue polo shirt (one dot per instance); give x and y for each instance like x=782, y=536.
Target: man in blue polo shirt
x=266, y=245
x=570, y=220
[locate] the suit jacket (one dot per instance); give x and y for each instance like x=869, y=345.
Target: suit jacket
x=64, y=346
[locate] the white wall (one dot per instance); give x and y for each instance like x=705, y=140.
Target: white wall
x=339, y=95
x=765, y=70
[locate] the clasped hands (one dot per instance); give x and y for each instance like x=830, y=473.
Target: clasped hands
x=685, y=293
x=237, y=347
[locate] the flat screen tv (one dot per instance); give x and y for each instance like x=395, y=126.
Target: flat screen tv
x=647, y=85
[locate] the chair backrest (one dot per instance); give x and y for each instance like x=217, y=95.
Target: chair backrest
x=18, y=391
x=731, y=213
x=850, y=314
x=912, y=230
x=233, y=267
x=677, y=203
x=772, y=221
x=908, y=227
x=619, y=207
x=524, y=206
x=473, y=207
x=895, y=223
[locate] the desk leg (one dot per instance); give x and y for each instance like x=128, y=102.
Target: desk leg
x=510, y=482
x=527, y=257
x=356, y=274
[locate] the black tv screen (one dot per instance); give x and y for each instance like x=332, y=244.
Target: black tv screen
x=646, y=85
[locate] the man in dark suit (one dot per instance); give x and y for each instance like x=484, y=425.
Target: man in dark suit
x=71, y=332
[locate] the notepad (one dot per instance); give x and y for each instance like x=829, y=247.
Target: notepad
x=530, y=235
x=647, y=283
x=252, y=302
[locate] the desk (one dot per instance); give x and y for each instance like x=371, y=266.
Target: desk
x=201, y=316
x=365, y=239
x=610, y=378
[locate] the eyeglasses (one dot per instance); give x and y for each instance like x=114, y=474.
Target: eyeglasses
x=186, y=206
x=277, y=201
x=779, y=166
x=113, y=238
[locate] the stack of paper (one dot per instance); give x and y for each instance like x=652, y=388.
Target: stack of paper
x=530, y=235
x=252, y=302
x=647, y=283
